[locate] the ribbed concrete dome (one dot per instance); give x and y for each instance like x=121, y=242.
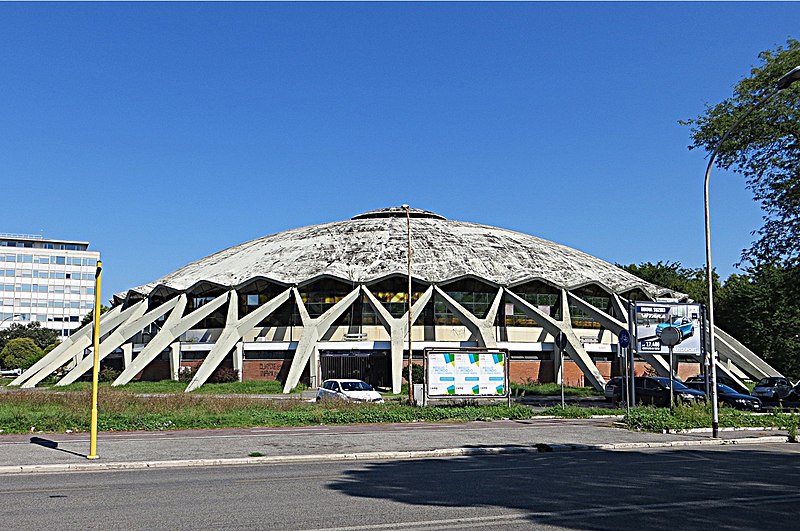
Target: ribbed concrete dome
x=372, y=246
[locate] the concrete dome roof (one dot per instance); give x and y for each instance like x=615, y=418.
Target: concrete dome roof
x=372, y=246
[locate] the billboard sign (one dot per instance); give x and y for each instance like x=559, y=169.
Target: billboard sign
x=652, y=318
x=466, y=373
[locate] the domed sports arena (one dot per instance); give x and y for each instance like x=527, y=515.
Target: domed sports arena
x=331, y=301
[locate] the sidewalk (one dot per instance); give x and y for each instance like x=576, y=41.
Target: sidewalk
x=39, y=452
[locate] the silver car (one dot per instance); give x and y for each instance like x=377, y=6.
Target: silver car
x=772, y=388
x=350, y=390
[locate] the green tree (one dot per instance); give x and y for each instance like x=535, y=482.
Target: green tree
x=765, y=149
x=674, y=276
x=43, y=337
x=762, y=310
x=20, y=353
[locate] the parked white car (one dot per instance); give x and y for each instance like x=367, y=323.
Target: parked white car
x=10, y=372
x=351, y=390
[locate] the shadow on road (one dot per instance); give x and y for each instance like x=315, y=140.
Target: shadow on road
x=53, y=445
x=713, y=489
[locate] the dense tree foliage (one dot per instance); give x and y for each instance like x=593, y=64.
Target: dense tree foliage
x=42, y=337
x=762, y=310
x=20, y=353
x=765, y=149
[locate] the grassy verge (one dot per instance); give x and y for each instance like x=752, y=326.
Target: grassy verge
x=26, y=411
x=253, y=387
x=699, y=416
x=576, y=412
x=550, y=389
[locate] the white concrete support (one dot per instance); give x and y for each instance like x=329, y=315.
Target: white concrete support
x=615, y=326
x=134, y=325
x=736, y=371
x=174, y=360
x=109, y=316
x=238, y=358
x=619, y=306
x=80, y=341
x=574, y=348
x=727, y=371
x=484, y=328
x=234, y=329
x=175, y=325
x=313, y=329
x=398, y=328
x=729, y=348
x=127, y=355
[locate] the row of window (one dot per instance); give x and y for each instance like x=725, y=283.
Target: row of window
x=45, y=288
x=35, y=273
x=58, y=260
x=40, y=317
x=28, y=303
x=44, y=245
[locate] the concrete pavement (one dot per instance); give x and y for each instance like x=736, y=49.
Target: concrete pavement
x=40, y=452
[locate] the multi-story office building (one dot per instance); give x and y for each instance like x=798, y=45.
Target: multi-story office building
x=49, y=281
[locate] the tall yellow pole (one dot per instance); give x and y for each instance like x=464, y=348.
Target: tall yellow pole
x=96, y=369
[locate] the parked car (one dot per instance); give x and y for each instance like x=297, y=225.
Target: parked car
x=655, y=390
x=613, y=387
x=794, y=394
x=350, y=390
x=773, y=388
x=728, y=396
x=683, y=324
x=10, y=372
x=721, y=379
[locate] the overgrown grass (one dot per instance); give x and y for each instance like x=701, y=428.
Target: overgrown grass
x=25, y=411
x=551, y=389
x=253, y=387
x=576, y=412
x=649, y=418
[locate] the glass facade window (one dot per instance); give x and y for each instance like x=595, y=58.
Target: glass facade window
x=321, y=296
x=597, y=297
x=541, y=295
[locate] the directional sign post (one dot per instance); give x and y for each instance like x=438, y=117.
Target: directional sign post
x=671, y=336
x=561, y=343
x=624, y=339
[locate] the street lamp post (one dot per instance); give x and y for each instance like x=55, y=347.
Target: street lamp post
x=410, y=352
x=784, y=82
x=10, y=318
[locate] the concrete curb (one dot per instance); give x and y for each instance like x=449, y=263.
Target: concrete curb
x=420, y=454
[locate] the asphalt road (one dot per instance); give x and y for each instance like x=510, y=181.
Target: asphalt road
x=709, y=487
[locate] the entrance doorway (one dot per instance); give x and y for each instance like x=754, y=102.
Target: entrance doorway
x=369, y=365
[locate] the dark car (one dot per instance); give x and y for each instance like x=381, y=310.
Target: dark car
x=655, y=390
x=613, y=388
x=773, y=388
x=721, y=379
x=728, y=396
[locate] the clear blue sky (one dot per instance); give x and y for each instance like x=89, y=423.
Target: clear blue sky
x=162, y=133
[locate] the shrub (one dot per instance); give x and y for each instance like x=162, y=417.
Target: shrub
x=185, y=374
x=221, y=375
x=417, y=373
x=224, y=375
x=20, y=353
x=108, y=374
